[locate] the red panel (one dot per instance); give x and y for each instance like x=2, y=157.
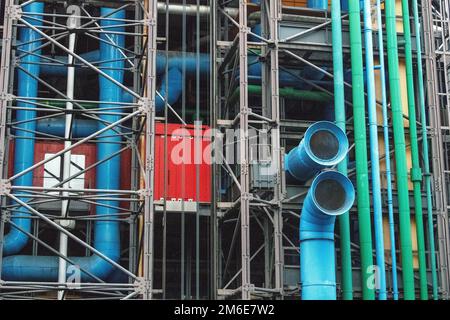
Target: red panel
x=176, y=168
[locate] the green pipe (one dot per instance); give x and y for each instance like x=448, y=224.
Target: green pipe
x=416, y=172
x=400, y=152
x=339, y=114
x=362, y=177
x=286, y=93
x=426, y=161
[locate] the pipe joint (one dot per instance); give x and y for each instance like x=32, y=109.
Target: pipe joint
x=416, y=174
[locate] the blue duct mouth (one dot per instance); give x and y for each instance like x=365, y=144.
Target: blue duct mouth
x=324, y=145
x=332, y=193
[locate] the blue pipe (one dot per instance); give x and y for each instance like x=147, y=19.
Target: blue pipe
x=318, y=4
x=106, y=234
x=175, y=85
x=323, y=145
x=15, y=240
x=331, y=194
x=387, y=158
x=374, y=154
x=174, y=60
x=81, y=128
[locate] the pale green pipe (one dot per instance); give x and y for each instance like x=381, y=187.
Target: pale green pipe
x=400, y=152
x=362, y=177
x=339, y=113
x=426, y=162
x=416, y=172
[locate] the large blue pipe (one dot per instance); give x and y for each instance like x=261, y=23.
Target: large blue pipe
x=15, y=240
x=318, y=4
x=374, y=153
x=106, y=233
x=331, y=194
x=323, y=145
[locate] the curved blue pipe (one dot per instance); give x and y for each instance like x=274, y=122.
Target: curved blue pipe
x=331, y=194
x=323, y=145
x=15, y=240
x=106, y=234
x=174, y=83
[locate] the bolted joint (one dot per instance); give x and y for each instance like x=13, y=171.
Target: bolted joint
x=14, y=12
x=146, y=106
x=416, y=174
x=149, y=22
x=5, y=187
x=142, y=286
x=6, y=216
x=145, y=193
x=8, y=97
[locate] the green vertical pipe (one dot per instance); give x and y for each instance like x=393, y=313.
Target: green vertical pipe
x=426, y=161
x=362, y=178
x=400, y=152
x=339, y=112
x=416, y=172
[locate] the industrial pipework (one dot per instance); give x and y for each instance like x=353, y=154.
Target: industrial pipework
x=331, y=194
x=323, y=145
x=106, y=230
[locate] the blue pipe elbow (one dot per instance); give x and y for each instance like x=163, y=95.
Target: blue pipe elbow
x=323, y=145
x=331, y=194
x=16, y=240
x=174, y=83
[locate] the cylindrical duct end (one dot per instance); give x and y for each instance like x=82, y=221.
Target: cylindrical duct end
x=331, y=194
x=324, y=145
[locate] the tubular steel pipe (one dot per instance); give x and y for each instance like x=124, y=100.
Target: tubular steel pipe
x=387, y=153
x=330, y=195
x=416, y=172
x=400, y=152
x=374, y=154
x=426, y=161
x=15, y=240
x=362, y=179
x=339, y=115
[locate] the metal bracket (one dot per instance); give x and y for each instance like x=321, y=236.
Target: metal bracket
x=141, y=286
x=14, y=12
x=5, y=187
x=149, y=22
x=145, y=192
x=6, y=216
x=7, y=97
x=146, y=106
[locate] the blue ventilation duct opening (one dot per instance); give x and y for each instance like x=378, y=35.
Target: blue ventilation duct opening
x=323, y=145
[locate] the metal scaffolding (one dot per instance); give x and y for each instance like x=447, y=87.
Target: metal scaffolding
x=243, y=243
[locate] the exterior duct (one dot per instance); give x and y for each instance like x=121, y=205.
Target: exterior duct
x=323, y=145
x=318, y=4
x=331, y=194
x=16, y=240
x=106, y=233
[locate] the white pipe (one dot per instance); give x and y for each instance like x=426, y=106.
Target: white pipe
x=71, y=23
x=192, y=9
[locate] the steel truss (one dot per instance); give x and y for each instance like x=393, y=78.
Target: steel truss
x=136, y=126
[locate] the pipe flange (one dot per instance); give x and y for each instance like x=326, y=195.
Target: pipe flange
x=14, y=12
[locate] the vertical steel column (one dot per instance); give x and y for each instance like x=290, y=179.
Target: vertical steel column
x=5, y=91
x=244, y=151
x=435, y=128
x=149, y=107
x=214, y=103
